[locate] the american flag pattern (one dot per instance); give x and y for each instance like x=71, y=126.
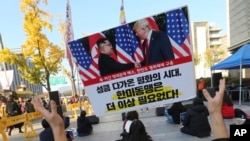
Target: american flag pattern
x=126, y=44
x=85, y=64
x=69, y=35
x=177, y=28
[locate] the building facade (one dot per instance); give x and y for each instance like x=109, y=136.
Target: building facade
x=206, y=36
x=239, y=23
x=18, y=80
x=15, y=80
x=239, y=29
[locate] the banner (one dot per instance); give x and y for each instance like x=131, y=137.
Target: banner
x=6, y=78
x=162, y=75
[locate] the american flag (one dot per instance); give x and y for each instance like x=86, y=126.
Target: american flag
x=69, y=35
x=85, y=64
x=152, y=23
x=126, y=44
x=177, y=28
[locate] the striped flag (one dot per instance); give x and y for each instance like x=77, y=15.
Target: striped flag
x=84, y=62
x=152, y=23
x=69, y=35
x=177, y=28
x=122, y=15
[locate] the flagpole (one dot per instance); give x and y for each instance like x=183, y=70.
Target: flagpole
x=122, y=15
x=70, y=37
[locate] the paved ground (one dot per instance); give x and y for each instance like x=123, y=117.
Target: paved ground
x=110, y=127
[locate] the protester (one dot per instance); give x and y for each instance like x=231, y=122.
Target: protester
x=137, y=132
x=3, y=113
x=130, y=116
x=200, y=87
x=13, y=109
x=219, y=131
x=84, y=126
x=196, y=120
x=21, y=104
x=3, y=101
x=47, y=133
x=53, y=118
x=227, y=107
x=175, y=111
x=29, y=106
x=241, y=114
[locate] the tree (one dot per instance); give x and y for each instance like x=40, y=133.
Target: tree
x=213, y=55
x=44, y=56
x=196, y=58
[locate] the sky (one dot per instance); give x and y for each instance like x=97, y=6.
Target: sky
x=92, y=16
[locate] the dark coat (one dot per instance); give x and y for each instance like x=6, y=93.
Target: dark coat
x=84, y=126
x=175, y=111
x=13, y=109
x=108, y=65
x=29, y=107
x=46, y=135
x=196, y=121
x=160, y=48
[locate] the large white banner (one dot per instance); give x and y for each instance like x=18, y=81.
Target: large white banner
x=164, y=51
x=152, y=88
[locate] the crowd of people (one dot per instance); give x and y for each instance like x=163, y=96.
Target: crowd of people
x=10, y=107
x=137, y=130
x=195, y=123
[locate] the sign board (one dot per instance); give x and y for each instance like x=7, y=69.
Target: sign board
x=58, y=80
x=6, y=78
x=163, y=74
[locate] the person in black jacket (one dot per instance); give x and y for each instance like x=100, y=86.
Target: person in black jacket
x=107, y=65
x=175, y=111
x=47, y=133
x=84, y=126
x=137, y=132
x=196, y=121
x=13, y=109
x=29, y=106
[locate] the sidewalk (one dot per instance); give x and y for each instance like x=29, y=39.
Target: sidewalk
x=110, y=128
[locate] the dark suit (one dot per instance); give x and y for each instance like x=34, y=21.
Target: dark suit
x=160, y=48
x=108, y=65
